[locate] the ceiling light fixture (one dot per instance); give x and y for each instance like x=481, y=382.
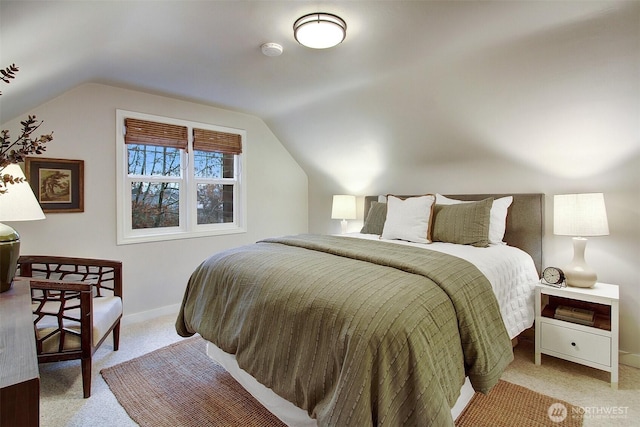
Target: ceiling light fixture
x=320, y=30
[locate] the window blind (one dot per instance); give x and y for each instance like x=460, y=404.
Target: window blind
x=221, y=142
x=154, y=133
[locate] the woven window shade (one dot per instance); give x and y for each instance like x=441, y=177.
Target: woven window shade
x=153, y=133
x=220, y=142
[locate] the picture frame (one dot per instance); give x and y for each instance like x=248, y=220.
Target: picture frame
x=58, y=184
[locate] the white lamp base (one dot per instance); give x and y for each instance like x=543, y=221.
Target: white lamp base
x=578, y=273
x=343, y=224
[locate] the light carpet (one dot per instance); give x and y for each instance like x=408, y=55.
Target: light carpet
x=179, y=385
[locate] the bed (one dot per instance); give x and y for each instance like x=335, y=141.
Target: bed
x=358, y=330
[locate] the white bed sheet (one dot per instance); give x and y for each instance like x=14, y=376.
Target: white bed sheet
x=513, y=277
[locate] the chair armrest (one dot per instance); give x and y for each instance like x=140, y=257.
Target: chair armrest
x=59, y=285
x=65, y=302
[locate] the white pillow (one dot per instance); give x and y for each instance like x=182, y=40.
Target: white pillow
x=498, y=220
x=409, y=219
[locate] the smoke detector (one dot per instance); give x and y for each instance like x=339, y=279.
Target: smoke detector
x=271, y=49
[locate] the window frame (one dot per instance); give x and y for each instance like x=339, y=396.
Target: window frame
x=188, y=223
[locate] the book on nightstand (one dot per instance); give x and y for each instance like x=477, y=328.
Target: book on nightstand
x=575, y=315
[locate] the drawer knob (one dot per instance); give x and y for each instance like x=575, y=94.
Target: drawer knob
x=573, y=344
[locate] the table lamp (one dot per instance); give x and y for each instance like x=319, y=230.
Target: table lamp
x=580, y=215
x=344, y=208
x=17, y=204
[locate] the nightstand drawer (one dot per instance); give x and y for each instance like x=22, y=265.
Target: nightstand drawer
x=577, y=344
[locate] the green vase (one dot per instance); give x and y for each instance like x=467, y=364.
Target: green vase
x=9, y=254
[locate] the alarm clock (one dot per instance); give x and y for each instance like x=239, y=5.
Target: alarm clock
x=553, y=276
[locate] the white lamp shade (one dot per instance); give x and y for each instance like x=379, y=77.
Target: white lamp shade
x=580, y=215
x=344, y=207
x=18, y=203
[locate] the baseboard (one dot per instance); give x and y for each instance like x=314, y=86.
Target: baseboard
x=150, y=314
x=629, y=359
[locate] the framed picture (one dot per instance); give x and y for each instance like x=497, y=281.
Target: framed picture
x=57, y=183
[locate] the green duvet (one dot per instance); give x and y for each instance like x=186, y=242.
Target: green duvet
x=356, y=332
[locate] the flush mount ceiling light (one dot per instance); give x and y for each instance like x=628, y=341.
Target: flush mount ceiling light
x=320, y=30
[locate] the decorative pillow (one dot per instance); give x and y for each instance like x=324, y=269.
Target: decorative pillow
x=463, y=223
x=409, y=219
x=498, y=222
x=444, y=200
x=374, y=223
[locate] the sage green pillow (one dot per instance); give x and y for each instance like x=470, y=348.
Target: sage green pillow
x=463, y=223
x=374, y=223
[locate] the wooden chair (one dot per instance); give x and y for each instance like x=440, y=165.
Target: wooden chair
x=76, y=303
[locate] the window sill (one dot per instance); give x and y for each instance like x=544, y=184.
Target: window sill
x=178, y=235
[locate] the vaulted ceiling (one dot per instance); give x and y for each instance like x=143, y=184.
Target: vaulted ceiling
x=414, y=81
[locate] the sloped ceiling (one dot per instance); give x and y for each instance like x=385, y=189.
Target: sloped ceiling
x=414, y=82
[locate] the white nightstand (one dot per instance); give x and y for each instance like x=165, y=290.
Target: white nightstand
x=595, y=346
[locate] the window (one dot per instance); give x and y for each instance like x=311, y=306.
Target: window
x=177, y=179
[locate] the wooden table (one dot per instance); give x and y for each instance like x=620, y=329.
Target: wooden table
x=19, y=377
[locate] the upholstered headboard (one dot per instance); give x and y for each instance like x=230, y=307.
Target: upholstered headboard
x=524, y=220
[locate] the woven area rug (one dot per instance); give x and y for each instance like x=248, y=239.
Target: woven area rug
x=511, y=405
x=179, y=385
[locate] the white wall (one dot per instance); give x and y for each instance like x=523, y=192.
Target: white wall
x=155, y=274
x=616, y=257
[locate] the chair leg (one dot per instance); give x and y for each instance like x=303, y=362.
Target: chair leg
x=116, y=336
x=86, y=377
